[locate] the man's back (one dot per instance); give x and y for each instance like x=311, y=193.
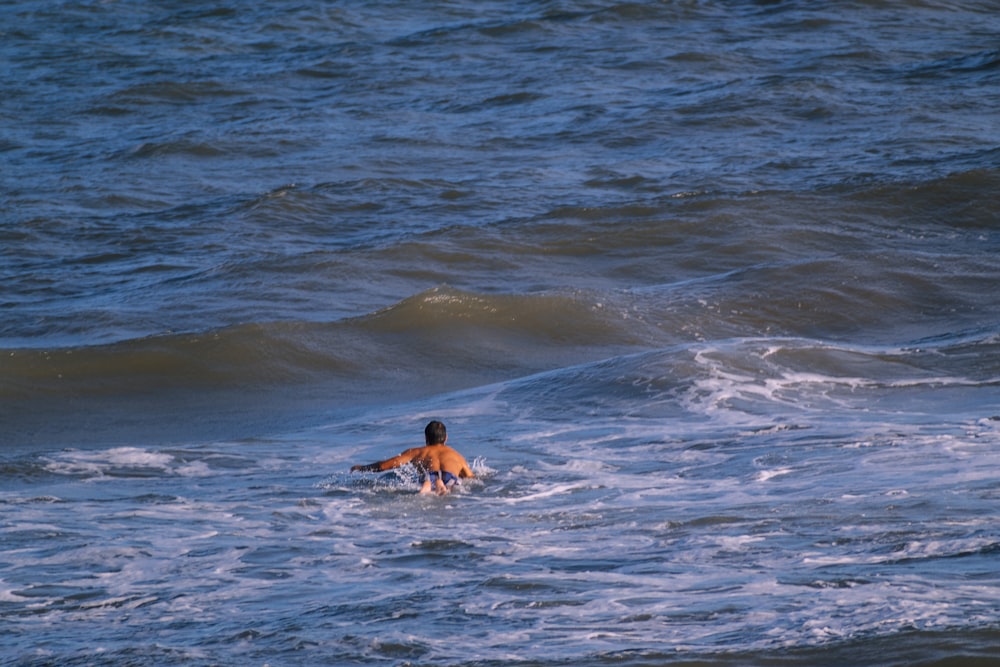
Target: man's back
x=439, y=458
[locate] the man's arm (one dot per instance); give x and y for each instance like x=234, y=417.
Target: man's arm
x=388, y=464
x=466, y=471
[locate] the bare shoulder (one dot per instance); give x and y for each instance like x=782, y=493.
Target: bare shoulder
x=410, y=455
x=413, y=451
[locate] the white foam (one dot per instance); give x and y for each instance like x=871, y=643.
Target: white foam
x=99, y=462
x=127, y=461
x=766, y=475
x=550, y=491
x=7, y=593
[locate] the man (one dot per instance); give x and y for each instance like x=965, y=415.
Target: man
x=439, y=465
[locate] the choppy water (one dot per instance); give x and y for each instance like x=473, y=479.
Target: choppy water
x=708, y=292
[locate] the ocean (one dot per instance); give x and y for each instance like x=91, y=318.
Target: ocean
x=707, y=292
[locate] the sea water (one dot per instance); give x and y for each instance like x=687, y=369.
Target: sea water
x=706, y=292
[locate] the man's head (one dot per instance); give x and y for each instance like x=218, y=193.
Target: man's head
x=435, y=433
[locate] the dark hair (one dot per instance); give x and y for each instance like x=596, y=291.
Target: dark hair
x=435, y=433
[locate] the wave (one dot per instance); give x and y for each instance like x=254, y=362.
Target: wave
x=425, y=336
x=445, y=338
x=886, y=260
x=767, y=385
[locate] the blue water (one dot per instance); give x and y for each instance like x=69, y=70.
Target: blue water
x=706, y=292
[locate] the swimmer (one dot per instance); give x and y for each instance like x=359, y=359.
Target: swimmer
x=440, y=466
